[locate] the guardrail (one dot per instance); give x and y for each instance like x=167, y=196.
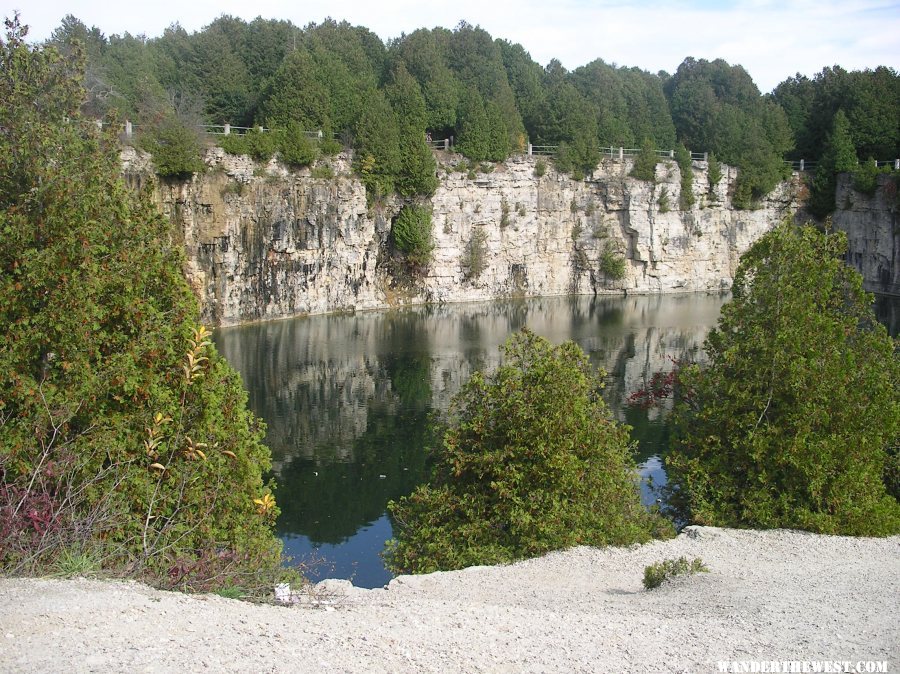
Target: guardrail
x=538, y=150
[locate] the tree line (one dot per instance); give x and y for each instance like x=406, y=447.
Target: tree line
x=488, y=93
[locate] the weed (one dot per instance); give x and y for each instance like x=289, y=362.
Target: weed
x=656, y=574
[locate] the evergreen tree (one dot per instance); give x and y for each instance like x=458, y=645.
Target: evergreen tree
x=532, y=461
x=790, y=423
x=124, y=437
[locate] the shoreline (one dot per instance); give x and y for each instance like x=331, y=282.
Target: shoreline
x=774, y=595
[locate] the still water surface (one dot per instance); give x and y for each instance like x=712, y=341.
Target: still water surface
x=347, y=398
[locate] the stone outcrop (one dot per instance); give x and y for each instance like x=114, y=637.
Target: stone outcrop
x=266, y=243
x=873, y=232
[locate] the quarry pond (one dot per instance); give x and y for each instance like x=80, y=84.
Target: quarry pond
x=348, y=398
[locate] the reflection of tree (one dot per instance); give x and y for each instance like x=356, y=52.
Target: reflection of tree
x=329, y=502
x=347, y=397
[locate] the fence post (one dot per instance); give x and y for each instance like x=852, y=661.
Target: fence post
x=320, y=134
x=259, y=129
x=128, y=129
x=802, y=164
x=446, y=144
x=621, y=154
x=897, y=164
x=671, y=154
x=529, y=149
x=99, y=123
x=227, y=129
x=706, y=156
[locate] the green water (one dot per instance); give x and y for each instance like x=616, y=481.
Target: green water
x=347, y=398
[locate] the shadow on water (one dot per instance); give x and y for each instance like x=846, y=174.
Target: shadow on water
x=347, y=399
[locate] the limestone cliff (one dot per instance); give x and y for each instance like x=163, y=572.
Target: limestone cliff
x=265, y=243
x=873, y=232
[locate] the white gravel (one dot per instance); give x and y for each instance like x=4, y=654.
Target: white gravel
x=777, y=595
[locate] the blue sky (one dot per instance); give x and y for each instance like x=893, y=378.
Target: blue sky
x=771, y=39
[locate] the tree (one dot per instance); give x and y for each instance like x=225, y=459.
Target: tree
x=532, y=461
x=838, y=156
x=790, y=423
x=124, y=437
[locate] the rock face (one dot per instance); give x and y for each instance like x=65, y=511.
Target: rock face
x=264, y=243
x=873, y=232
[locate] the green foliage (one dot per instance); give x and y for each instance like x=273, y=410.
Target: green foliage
x=645, y=163
x=124, y=437
x=532, y=461
x=714, y=174
x=294, y=148
x=663, y=200
x=838, y=156
x=685, y=167
x=656, y=574
x=865, y=177
x=411, y=232
x=540, y=168
x=324, y=172
x=175, y=148
x=474, y=257
x=612, y=263
x=790, y=423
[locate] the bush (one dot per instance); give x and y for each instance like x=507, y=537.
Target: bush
x=125, y=441
x=412, y=234
x=656, y=574
x=714, y=174
x=612, y=264
x=865, y=178
x=175, y=148
x=663, y=200
x=295, y=149
x=474, y=258
x=685, y=167
x=645, y=163
x=540, y=168
x=531, y=461
x=791, y=423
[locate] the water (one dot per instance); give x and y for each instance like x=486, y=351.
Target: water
x=347, y=399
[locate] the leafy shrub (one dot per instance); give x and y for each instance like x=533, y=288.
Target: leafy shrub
x=175, y=148
x=540, y=168
x=234, y=143
x=663, y=201
x=714, y=174
x=791, y=422
x=412, y=233
x=532, y=461
x=323, y=172
x=294, y=148
x=645, y=162
x=330, y=147
x=685, y=167
x=656, y=574
x=865, y=178
x=126, y=441
x=474, y=258
x=612, y=263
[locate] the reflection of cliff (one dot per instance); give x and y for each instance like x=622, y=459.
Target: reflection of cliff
x=265, y=243
x=347, y=398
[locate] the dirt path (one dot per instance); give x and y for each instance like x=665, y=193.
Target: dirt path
x=768, y=596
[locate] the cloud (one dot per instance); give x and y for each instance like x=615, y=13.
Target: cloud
x=771, y=39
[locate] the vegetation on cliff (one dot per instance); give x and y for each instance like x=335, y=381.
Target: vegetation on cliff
x=488, y=94
x=125, y=441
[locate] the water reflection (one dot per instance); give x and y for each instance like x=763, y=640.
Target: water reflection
x=347, y=398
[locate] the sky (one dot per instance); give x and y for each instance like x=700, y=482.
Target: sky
x=772, y=39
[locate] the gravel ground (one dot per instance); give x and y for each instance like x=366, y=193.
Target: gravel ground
x=777, y=595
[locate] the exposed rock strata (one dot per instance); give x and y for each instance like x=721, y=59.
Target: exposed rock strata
x=873, y=232
x=264, y=243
